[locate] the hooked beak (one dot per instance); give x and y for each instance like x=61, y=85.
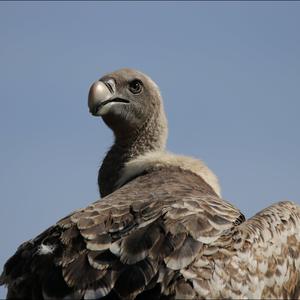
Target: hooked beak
x=102, y=97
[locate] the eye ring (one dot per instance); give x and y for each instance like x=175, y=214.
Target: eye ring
x=135, y=86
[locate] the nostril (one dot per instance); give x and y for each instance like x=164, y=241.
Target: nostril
x=108, y=85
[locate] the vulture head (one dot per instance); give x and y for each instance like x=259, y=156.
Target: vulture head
x=126, y=100
x=130, y=103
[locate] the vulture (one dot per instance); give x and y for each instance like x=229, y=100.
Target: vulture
x=161, y=229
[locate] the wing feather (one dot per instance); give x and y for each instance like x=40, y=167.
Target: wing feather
x=258, y=258
x=182, y=240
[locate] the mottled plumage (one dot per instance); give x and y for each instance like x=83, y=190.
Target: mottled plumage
x=161, y=232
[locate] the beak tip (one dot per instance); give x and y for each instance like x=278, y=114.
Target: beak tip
x=98, y=93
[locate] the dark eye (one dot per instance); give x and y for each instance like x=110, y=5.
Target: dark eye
x=135, y=86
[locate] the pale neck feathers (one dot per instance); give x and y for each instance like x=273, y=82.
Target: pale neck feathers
x=150, y=160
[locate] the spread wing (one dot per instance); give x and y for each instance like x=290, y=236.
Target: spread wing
x=166, y=234
x=133, y=243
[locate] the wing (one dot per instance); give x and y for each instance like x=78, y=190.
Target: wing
x=258, y=259
x=133, y=243
x=271, y=241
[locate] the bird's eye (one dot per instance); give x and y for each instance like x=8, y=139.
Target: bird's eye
x=135, y=86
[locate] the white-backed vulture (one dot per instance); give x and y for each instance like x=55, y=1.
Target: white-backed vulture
x=162, y=230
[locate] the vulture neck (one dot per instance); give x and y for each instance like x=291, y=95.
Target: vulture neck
x=151, y=136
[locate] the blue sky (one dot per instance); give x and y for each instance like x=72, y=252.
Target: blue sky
x=229, y=73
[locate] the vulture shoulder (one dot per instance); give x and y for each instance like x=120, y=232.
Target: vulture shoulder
x=164, y=233
x=133, y=241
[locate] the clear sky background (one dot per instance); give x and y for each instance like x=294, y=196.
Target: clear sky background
x=229, y=73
